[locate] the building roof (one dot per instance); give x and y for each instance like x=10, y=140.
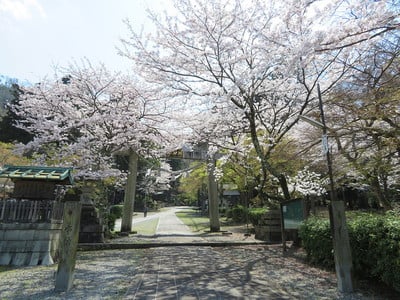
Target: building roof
x=38, y=173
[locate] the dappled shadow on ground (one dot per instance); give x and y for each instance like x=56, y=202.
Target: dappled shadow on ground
x=245, y=272
x=98, y=275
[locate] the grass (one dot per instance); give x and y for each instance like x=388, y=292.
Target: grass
x=147, y=227
x=4, y=268
x=194, y=220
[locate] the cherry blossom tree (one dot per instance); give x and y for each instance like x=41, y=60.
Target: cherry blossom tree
x=85, y=117
x=252, y=66
x=365, y=118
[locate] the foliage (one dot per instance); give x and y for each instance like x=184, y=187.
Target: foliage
x=191, y=182
x=9, y=157
x=9, y=131
x=89, y=114
x=256, y=214
x=244, y=170
x=114, y=214
x=363, y=120
x=97, y=192
x=374, y=240
x=240, y=214
x=250, y=68
x=316, y=238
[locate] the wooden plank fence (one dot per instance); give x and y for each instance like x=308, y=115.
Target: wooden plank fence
x=30, y=211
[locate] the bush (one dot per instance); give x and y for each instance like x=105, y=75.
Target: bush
x=239, y=214
x=316, y=238
x=256, y=214
x=115, y=213
x=374, y=241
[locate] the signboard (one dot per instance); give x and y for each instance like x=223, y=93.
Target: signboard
x=293, y=213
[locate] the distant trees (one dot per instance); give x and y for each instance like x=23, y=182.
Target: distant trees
x=10, y=93
x=252, y=66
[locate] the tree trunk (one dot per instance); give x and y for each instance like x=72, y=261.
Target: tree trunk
x=284, y=186
x=213, y=204
x=130, y=190
x=377, y=190
x=265, y=165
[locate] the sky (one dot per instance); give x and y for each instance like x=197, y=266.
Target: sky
x=39, y=36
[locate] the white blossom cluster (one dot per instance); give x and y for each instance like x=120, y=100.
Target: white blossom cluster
x=307, y=182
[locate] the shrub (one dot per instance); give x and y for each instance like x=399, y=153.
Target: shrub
x=374, y=241
x=115, y=213
x=316, y=238
x=256, y=214
x=238, y=214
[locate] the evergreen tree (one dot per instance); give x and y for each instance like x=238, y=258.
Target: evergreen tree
x=9, y=132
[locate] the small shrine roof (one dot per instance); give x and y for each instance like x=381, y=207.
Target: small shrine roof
x=38, y=173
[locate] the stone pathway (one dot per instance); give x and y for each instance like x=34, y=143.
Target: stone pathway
x=181, y=272
x=171, y=229
x=186, y=272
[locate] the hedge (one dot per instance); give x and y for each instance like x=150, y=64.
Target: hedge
x=239, y=214
x=374, y=241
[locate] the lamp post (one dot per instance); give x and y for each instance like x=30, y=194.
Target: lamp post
x=341, y=243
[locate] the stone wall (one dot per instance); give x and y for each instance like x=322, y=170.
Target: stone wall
x=29, y=243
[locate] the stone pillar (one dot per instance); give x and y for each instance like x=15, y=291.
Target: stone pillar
x=130, y=191
x=213, y=203
x=68, y=245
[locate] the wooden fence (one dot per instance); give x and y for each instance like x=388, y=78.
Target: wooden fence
x=30, y=211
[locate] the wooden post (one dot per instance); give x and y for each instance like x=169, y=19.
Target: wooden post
x=213, y=204
x=283, y=233
x=68, y=245
x=341, y=243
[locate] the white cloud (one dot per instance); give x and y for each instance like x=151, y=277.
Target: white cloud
x=22, y=9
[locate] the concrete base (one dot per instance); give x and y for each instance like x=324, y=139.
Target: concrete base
x=29, y=243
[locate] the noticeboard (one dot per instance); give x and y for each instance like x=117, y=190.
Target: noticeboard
x=293, y=213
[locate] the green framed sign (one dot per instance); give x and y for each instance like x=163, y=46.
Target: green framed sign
x=293, y=213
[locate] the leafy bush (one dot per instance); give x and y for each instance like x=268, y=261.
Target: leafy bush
x=239, y=214
x=316, y=238
x=256, y=214
x=374, y=240
x=115, y=213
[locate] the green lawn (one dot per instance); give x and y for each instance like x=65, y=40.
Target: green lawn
x=147, y=227
x=194, y=220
